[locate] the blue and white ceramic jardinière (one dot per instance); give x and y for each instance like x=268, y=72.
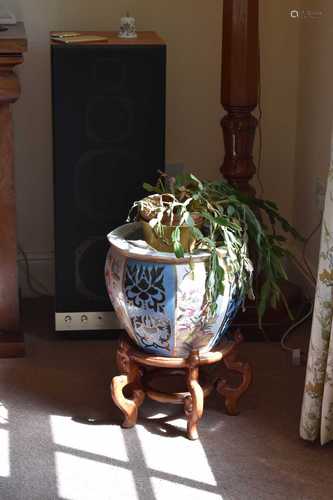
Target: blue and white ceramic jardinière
x=159, y=299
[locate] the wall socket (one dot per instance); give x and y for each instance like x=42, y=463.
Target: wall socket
x=320, y=192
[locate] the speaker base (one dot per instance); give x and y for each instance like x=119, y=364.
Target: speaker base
x=85, y=321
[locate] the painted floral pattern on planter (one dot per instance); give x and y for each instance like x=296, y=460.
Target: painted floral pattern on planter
x=194, y=330
x=234, y=304
x=317, y=410
x=114, y=270
x=150, y=304
x=154, y=332
x=190, y=295
x=145, y=287
x=163, y=299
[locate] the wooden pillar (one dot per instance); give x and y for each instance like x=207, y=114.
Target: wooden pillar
x=239, y=96
x=12, y=45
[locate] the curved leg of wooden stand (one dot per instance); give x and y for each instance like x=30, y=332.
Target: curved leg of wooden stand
x=193, y=404
x=232, y=394
x=131, y=374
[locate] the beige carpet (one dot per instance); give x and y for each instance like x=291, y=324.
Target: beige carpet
x=60, y=436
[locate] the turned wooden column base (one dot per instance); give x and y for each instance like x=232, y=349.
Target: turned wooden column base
x=11, y=345
x=13, y=43
x=140, y=370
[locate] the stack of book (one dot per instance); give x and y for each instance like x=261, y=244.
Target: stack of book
x=72, y=37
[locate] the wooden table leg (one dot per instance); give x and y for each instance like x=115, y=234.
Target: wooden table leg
x=193, y=405
x=233, y=394
x=130, y=375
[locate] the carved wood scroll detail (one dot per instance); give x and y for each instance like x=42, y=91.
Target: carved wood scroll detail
x=130, y=375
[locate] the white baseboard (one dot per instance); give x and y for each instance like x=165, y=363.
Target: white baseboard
x=41, y=273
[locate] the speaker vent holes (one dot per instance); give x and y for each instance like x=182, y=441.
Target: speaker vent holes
x=110, y=73
x=109, y=119
x=106, y=183
x=89, y=268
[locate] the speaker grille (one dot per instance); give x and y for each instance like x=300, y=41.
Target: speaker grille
x=110, y=73
x=109, y=119
x=102, y=180
x=109, y=128
x=87, y=276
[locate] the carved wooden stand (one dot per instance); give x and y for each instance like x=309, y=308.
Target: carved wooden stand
x=138, y=370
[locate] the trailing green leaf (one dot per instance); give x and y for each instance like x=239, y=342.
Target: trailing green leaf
x=231, y=222
x=177, y=247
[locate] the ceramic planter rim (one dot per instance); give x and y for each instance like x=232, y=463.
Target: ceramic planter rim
x=118, y=239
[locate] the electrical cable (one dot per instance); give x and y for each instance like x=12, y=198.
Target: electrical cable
x=306, y=242
x=297, y=353
x=293, y=327
x=30, y=279
x=306, y=268
x=260, y=155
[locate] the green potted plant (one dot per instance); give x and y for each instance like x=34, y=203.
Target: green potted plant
x=185, y=219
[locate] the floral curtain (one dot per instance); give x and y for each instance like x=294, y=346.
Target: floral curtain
x=317, y=410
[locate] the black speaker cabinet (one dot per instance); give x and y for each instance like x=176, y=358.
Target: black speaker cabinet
x=109, y=135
